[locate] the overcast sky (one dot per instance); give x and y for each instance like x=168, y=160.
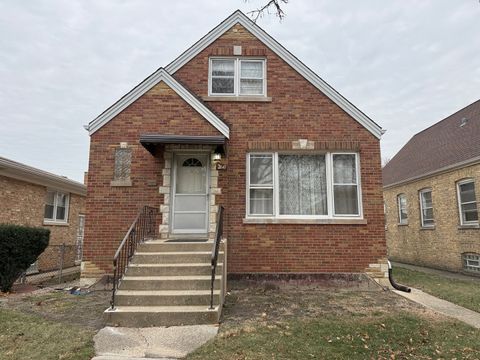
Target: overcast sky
x=406, y=63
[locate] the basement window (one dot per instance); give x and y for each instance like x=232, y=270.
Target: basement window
x=471, y=262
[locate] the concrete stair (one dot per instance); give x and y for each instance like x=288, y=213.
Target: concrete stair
x=168, y=283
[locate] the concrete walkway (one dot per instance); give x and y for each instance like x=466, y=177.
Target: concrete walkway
x=444, y=273
x=174, y=342
x=443, y=307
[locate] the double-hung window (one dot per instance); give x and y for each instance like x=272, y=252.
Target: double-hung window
x=426, y=208
x=303, y=185
x=56, y=206
x=237, y=76
x=402, y=209
x=467, y=202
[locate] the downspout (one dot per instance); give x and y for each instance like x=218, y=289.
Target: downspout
x=394, y=284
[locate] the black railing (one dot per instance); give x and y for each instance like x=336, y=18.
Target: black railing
x=142, y=228
x=216, y=247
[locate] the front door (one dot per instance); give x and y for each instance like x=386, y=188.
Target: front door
x=190, y=194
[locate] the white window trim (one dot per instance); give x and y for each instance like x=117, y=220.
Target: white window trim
x=330, y=194
x=67, y=207
x=459, y=183
x=236, y=76
x=420, y=193
x=401, y=220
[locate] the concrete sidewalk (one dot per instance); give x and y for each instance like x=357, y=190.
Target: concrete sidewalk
x=172, y=342
x=444, y=307
x=444, y=273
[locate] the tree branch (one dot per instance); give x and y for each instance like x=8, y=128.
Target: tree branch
x=276, y=4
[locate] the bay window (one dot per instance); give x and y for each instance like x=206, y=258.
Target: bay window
x=303, y=185
x=237, y=76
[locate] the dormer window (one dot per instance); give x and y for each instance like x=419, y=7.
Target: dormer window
x=237, y=77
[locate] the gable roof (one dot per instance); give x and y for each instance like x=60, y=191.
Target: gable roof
x=240, y=18
x=155, y=78
x=29, y=174
x=441, y=147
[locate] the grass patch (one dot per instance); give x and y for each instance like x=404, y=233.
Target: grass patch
x=461, y=292
x=340, y=337
x=27, y=336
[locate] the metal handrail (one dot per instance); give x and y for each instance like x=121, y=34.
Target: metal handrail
x=143, y=227
x=216, y=247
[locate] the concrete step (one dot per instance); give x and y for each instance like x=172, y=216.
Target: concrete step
x=165, y=297
x=192, y=282
x=172, y=269
x=145, y=316
x=174, y=257
x=163, y=246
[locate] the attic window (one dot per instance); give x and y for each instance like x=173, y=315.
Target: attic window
x=237, y=77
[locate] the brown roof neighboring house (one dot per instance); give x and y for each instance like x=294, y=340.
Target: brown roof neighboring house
x=453, y=141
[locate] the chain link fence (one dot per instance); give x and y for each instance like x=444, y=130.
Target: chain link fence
x=57, y=264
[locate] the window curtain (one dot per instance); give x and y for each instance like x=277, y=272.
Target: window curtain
x=302, y=185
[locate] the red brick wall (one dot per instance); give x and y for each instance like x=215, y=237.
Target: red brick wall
x=297, y=110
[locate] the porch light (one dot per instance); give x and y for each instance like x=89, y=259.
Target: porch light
x=217, y=154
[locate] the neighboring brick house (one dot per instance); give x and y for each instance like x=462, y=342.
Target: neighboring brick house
x=238, y=121
x=431, y=188
x=33, y=197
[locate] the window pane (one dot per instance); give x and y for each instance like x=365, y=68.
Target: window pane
x=61, y=206
x=467, y=192
x=222, y=85
x=60, y=213
x=261, y=170
x=344, y=169
x=223, y=67
x=426, y=199
x=261, y=201
x=303, y=185
x=345, y=199
x=49, y=204
x=251, y=87
x=123, y=161
x=469, y=212
x=427, y=214
x=251, y=69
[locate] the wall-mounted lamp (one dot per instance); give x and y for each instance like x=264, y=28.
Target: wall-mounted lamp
x=217, y=154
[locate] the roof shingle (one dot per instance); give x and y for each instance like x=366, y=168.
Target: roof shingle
x=443, y=144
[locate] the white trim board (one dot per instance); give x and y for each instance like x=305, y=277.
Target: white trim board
x=154, y=79
x=237, y=18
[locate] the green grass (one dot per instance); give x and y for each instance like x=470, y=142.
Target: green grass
x=461, y=292
x=32, y=337
x=342, y=337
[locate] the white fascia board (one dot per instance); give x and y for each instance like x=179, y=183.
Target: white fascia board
x=158, y=76
x=276, y=47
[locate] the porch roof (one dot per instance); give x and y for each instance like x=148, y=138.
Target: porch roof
x=151, y=141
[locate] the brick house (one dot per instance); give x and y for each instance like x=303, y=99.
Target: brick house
x=238, y=121
x=431, y=189
x=33, y=197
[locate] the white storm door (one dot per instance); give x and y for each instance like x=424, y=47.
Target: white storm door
x=190, y=194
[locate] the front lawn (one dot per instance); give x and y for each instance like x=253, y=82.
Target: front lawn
x=301, y=322
x=465, y=293
x=50, y=325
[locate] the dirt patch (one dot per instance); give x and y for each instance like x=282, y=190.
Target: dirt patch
x=84, y=310
x=279, y=302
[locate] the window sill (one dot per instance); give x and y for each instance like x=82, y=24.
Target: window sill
x=55, y=223
x=402, y=224
x=238, y=98
x=261, y=220
x=427, y=228
x=119, y=183
x=469, y=227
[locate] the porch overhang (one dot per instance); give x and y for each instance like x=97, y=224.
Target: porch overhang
x=152, y=141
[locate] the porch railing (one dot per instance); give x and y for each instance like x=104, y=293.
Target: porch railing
x=215, y=249
x=142, y=228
